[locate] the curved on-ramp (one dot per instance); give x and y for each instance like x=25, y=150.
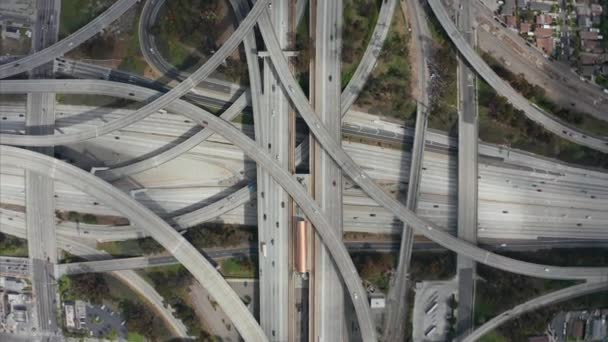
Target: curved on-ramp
x=348, y=97
x=311, y=209
x=289, y=183
x=171, y=240
x=424, y=227
x=159, y=102
x=165, y=156
x=533, y=112
x=70, y=42
x=535, y=303
x=370, y=56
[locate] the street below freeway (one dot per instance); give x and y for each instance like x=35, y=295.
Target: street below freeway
x=200, y=268
x=468, y=127
x=40, y=210
x=562, y=85
x=532, y=111
x=16, y=227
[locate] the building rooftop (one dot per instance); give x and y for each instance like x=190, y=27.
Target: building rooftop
x=541, y=32
x=546, y=44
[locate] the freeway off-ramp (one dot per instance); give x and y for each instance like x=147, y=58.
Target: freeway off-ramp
x=250, y=147
x=70, y=42
x=200, y=268
x=231, y=133
x=532, y=111
x=445, y=239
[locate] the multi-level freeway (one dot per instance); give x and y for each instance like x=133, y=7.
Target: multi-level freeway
x=533, y=112
x=511, y=205
x=173, y=242
x=313, y=214
x=274, y=221
x=468, y=126
x=375, y=192
x=370, y=56
x=160, y=102
x=40, y=119
x=326, y=289
x=396, y=312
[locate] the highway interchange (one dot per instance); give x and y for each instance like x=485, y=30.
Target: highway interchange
x=323, y=223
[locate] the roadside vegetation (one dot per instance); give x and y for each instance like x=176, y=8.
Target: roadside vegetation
x=141, y=321
x=239, y=267
x=133, y=247
x=536, y=94
x=96, y=101
x=189, y=32
x=378, y=268
x=172, y=283
x=500, y=123
x=359, y=20
x=12, y=246
x=498, y=291
x=535, y=322
x=77, y=13
x=303, y=45
x=117, y=46
x=604, y=24
x=388, y=90
x=220, y=235
x=131, y=58
x=442, y=89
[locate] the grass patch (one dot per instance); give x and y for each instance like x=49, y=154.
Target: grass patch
x=244, y=118
x=133, y=61
x=499, y=291
x=388, y=90
x=493, y=336
x=134, y=247
x=189, y=32
x=239, y=267
x=134, y=337
x=359, y=20
x=13, y=246
x=96, y=101
x=537, y=95
x=77, y=13
x=500, y=123
x=502, y=290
